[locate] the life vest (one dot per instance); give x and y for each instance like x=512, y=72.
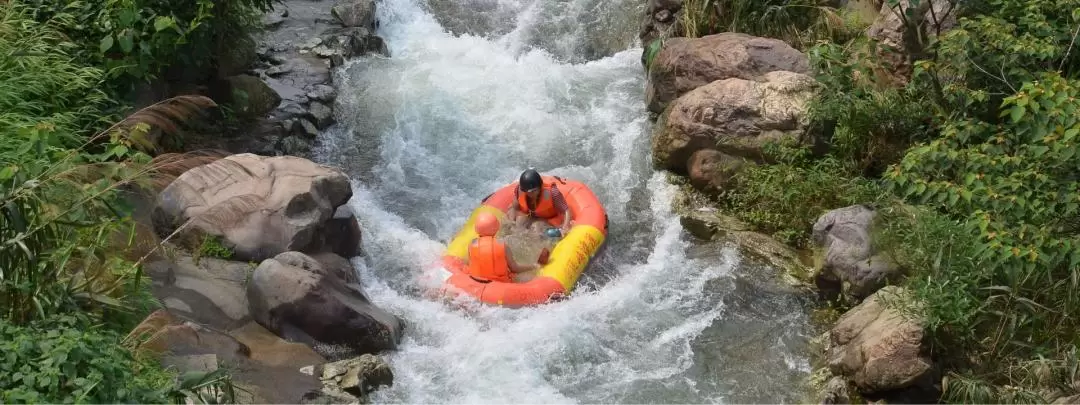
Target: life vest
x=487, y=260
x=544, y=207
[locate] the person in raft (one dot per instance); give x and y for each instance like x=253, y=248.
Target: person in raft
x=491, y=260
x=539, y=201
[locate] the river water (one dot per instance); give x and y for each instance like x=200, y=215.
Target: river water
x=478, y=90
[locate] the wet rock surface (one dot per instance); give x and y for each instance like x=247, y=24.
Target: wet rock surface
x=303, y=42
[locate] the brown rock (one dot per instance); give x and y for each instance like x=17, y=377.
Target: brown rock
x=711, y=170
x=164, y=334
x=270, y=350
x=877, y=348
x=261, y=206
x=734, y=116
x=685, y=64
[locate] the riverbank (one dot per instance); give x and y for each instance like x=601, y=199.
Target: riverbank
x=846, y=130
x=165, y=263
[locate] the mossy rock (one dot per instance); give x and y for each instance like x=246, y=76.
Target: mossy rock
x=707, y=223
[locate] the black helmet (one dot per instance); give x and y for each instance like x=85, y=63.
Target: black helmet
x=529, y=180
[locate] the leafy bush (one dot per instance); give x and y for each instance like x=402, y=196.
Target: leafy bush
x=786, y=199
x=870, y=122
x=1017, y=183
x=67, y=360
x=137, y=40
x=998, y=46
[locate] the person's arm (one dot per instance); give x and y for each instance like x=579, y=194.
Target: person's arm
x=561, y=205
x=514, y=266
x=511, y=213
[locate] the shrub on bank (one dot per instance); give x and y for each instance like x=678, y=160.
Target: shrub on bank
x=983, y=141
x=68, y=291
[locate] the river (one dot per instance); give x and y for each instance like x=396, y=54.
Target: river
x=476, y=91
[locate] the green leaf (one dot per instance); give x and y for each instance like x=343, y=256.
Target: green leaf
x=1016, y=113
x=8, y=172
x=163, y=22
x=1070, y=134
x=127, y=42
x=106, y=43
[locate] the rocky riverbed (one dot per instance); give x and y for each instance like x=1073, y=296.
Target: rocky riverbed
x=254, y=270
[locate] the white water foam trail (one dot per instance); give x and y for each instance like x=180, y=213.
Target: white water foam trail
x=430, y=131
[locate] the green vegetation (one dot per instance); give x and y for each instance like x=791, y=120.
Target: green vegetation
x=212, y=246
x=71, y=282
x=799, y=22
x=968, y=145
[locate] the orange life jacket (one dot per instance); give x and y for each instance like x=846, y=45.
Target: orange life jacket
x=544, y=207
x=487, y=260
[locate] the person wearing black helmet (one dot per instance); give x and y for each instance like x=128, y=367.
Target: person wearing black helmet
x=537, y=200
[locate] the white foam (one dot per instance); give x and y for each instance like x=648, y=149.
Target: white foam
x=448, y=119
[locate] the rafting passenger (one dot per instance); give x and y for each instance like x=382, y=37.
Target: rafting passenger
x=540, y=200
x=490, y=259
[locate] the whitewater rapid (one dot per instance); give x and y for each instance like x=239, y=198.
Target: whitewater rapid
x=452, y=116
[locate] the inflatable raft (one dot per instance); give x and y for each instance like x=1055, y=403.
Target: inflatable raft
x=565, y=262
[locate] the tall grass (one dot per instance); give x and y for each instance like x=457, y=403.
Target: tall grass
x=800, y=23
x=41, y=84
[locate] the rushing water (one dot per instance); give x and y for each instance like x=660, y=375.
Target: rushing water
x=456, y=113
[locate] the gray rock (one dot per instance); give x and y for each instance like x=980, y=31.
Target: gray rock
x=295, y=146
x=836, y=392
x=850, y=256
x=250, y=96
x=278, y=70
x=304, y=128
x=272, y=20
x=323, y=93
x=321, y=114
x=300, y=299
x=291, y=109
x=355, y=13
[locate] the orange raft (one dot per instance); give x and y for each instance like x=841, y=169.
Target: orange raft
x=566, y=262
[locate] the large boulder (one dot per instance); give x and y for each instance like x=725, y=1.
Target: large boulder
x=259, y=206
x=849, y=256
x=684, y=64
x=355, y=13
x=734, y=116
x=315, y=302
x=881, y=350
